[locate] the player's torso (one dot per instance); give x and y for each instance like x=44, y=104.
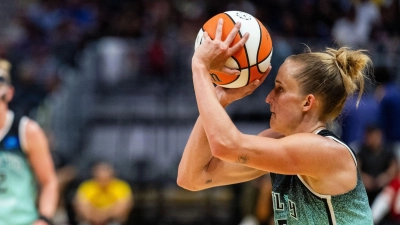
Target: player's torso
x=17, y=183
x=295, y=202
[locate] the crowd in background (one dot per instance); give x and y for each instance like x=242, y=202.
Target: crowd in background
x=45, y=36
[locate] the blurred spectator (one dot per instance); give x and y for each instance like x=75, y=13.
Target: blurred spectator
x=29, y=190
x=37, y=76
x=368, y=16
x=354, y=29
x=376, y=162
x=354, y=119
x=105, y=198
x=46, y=14
x=388, y=95
x=385, y=208
x=345, y=26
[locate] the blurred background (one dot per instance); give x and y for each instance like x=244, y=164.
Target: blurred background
x=111, y=79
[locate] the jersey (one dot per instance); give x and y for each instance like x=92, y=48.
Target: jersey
x=18, y=190
x=101, y=197
x=295, y=202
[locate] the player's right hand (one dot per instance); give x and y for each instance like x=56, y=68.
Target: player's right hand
x=228, y=95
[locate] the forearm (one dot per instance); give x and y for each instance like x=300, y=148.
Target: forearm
x=195, y=158
x=219, y=128
x=48, y=198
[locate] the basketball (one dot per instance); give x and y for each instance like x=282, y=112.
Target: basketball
x=252, y=60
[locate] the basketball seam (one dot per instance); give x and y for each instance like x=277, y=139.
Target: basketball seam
x=247, y=56
x=259, y=62
x=259, y=45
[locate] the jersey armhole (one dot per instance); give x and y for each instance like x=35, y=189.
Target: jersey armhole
x=22, y=133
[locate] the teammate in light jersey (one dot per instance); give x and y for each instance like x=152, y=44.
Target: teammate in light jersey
x=28, y=184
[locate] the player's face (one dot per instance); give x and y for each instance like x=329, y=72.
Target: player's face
x=6, y=90
x=285, y=100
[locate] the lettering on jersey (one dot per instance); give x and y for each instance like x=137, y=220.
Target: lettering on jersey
x=281, y=222
x=214, y=77
x=292, y=209
x=11, y=161
x=276, y=199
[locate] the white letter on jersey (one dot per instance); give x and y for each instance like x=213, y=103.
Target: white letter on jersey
x=278, y=205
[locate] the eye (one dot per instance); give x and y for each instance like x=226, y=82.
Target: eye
x=279, y=88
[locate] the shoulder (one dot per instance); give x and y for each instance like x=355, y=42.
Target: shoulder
x=319, y=151
x=315, y=140
x=118, y=183
x=32, y=130
x=121, y=188
x=33, y=137
x=31, y=127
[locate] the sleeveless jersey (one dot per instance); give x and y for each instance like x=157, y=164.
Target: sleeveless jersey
x=295, y=202
x=17, y=183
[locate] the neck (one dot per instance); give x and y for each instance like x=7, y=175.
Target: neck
x=308, y=128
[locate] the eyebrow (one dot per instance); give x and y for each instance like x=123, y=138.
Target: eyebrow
x=278, y=81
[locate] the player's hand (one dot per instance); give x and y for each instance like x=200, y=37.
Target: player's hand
x=228, y=95
x=214, y=53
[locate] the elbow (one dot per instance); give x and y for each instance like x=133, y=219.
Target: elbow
x=187, y=184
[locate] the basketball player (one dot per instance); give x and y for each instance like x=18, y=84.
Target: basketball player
x=314, y=175
x=25, y=165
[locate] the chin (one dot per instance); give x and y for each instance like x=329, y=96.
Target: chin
x=273, y=126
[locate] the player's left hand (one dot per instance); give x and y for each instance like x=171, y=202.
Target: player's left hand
x=214, y=53
x=228, y=95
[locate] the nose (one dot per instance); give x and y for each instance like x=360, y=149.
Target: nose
x=269, y=98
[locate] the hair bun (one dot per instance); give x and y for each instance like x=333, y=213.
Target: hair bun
x=352, y=65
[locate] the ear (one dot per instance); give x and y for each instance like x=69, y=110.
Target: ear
x=309, y=102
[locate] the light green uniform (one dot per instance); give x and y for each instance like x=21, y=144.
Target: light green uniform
x=17, y=183
x=295, y=202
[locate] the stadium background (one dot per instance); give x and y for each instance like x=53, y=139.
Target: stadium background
x=111, y=79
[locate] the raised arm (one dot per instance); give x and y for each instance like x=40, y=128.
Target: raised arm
x=198, y=168
x=306, y=154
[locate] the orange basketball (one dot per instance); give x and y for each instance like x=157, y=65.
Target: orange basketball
x=255, y=56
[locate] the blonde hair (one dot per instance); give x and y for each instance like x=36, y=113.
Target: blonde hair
x=332, y=75
x=5, y=68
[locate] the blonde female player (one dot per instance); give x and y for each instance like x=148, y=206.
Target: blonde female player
x=314, y=175
x=25, y=164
